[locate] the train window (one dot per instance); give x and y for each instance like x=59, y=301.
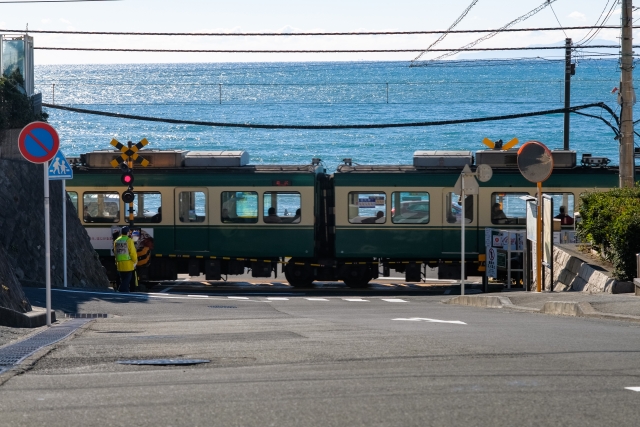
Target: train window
x=566, y=202
x=147, y=207
x=192, y=206
x=453, y=208
x=367, y=208
x=410, y=208
x=101, y=207
x=74, y=198
x=508, y=208
x=239, y=207
x=281, y=207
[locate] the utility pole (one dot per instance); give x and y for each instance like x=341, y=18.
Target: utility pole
x=569, y=70
x=627, y=161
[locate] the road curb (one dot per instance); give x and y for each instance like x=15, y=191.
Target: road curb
x=557, y=308
x=32, y=319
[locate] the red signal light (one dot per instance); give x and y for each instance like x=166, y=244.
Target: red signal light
x=127, y=178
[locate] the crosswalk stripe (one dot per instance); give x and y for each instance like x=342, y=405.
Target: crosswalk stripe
x=277, y=299
x=316, y=299
x=237, y=297
x=355, y=299
x=393, y=300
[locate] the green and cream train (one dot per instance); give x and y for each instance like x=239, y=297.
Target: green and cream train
x=213, y=213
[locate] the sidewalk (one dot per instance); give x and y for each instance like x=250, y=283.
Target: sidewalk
x=624, y=307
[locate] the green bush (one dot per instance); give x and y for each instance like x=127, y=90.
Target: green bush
x=16, y=110
x=611, y=221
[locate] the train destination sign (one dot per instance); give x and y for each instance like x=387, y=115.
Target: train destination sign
x=38, y=142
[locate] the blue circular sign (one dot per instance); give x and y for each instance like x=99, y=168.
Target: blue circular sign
x=38, y=142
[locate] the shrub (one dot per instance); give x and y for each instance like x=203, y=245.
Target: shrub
x=16, y=110
x=611, y=221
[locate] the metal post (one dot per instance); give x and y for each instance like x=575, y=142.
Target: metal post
x=64, y=232
x=627, y=161
x=567, y=91
x=47, y=242
x=508, y=259
x=462, y=242
x=130, y=165
x=539, y=241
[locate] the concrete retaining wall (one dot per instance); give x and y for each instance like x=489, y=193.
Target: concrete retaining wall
x=571, y=273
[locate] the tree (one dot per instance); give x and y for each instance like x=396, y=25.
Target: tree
x=16, y=109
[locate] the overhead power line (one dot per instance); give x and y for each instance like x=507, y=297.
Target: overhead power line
x=355, y=33
x=601, y=105
x=494, y=33
x=51, y=1
x=98, y=49
x=455, y=23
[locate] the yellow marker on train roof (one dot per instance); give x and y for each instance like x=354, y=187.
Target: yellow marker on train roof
x=510, y=144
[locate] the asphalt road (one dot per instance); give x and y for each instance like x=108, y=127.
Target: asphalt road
x=326, y=360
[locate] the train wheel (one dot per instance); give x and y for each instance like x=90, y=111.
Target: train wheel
x=298, y=274
x=359, y=283
x=358, y=277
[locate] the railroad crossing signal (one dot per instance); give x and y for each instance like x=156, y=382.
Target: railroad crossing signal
x=125, y=161
x=499, y=145
x=129, y=153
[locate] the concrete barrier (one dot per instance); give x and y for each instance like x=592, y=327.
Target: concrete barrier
x=32, y=319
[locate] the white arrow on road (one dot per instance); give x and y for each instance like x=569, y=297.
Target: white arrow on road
x=422, y=319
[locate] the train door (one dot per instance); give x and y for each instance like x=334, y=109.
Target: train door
x=192, y=220
x=451, y=223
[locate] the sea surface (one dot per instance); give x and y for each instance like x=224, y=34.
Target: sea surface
x=329, y=93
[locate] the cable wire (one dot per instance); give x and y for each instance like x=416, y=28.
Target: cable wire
x=452, y=50
x=494, y=33
x=451, y=27
x=362, y=33
x=554, y=14
x=333, y=127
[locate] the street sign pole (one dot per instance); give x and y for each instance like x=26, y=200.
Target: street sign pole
x=462, y=243
x=47, y=241
x=64, y=232
x=38, y=142
x=60, y=169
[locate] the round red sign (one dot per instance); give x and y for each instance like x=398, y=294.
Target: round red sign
x=38, y=142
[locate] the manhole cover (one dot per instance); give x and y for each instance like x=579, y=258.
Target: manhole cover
x=163, y=362
x=222, y=306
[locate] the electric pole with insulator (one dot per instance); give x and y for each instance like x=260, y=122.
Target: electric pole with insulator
x=627, y=98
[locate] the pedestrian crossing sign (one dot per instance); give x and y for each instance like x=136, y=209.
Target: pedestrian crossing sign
x=59, y=168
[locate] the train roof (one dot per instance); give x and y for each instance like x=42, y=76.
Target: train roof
x=161, y=161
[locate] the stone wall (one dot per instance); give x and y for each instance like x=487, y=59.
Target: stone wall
x=9, y=144
x=22, y=252
x=572, y=273
x=22, y=225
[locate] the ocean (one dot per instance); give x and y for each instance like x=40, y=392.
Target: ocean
x=329, y=93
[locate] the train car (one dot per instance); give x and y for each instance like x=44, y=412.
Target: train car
x=408, y=217
x=206, y=213
x=213, y=213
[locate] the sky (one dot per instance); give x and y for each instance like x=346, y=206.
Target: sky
x=284, y=16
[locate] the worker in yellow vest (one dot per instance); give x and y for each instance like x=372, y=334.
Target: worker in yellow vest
x=126, y=258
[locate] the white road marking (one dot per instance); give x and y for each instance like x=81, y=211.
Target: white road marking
x=165, y=290
x=277, y=299
x=316, y=299
x=237, y=297
x=355, y=299
x=420, y=319
x=198, y=296
x=632, y=388
x=393, y=300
